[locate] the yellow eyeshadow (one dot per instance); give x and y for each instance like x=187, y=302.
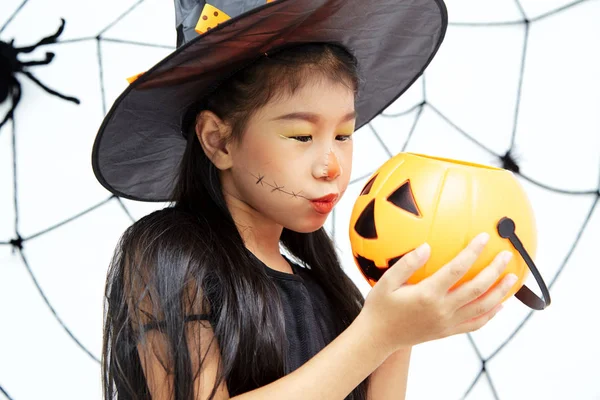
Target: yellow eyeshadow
x=347, y=128
x=294, y=132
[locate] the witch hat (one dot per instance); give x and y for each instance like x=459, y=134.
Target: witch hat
x=141, y=140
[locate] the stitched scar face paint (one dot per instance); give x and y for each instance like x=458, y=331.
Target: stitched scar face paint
x=294, y=160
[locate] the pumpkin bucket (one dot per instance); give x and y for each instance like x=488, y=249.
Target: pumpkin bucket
x=414, y=198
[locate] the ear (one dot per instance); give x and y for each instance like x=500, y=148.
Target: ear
x=213, y=132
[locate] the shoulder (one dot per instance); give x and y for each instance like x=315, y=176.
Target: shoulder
x=164, y=241
x=161, y=257
x=163, y=249
x=168, y=225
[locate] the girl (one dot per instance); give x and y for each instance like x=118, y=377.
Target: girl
x=235, y=289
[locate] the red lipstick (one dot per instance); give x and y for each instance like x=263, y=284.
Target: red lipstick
x=324, y=205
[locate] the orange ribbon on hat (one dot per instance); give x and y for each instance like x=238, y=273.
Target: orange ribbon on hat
x=210, y=17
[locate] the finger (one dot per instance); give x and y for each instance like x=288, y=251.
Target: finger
x=401, y=270
x=443, y=279
x=487, y=302
x=480, y=284
x=477, y=323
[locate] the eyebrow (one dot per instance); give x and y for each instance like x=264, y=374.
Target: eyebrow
x=311, y=117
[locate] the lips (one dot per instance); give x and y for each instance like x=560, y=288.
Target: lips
x=330, y=197
x=323, y=205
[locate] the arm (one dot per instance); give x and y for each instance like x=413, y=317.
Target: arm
x=331, y=374
x=390, y=379
x=378, y=332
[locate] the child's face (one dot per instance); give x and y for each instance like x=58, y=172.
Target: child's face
x=294, y=150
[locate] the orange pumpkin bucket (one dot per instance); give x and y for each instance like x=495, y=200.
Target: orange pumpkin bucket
x=414, y=198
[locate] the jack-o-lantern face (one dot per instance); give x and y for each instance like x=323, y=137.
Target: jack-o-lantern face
x=413, y=198
x=392, y=216
x=402, y=197
x=365, y=226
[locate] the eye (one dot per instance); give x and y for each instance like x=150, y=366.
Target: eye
x=303, y=139
x=343, y=138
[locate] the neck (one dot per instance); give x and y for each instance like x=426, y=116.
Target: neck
x=260, y=235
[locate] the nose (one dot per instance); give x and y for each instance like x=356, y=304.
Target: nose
x=331, y=169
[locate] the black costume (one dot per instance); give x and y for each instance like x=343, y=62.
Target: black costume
x=308, y=315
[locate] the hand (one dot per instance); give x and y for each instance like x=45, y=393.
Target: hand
x=400, y=315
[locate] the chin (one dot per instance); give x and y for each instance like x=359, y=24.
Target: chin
x=307, y=225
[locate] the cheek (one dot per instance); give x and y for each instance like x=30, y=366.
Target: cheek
x=261, y=167
x=252, y=154
x=345, y=159
x=267, y=160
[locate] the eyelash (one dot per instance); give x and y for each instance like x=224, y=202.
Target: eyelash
x=299, y=138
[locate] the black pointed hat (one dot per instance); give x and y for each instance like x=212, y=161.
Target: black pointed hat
x=140, y=142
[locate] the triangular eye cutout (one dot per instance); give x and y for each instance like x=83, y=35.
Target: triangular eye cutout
x=365, y=225
x=368, y=186
x=403, y=197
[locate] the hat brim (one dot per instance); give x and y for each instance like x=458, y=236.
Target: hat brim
x=139, y=145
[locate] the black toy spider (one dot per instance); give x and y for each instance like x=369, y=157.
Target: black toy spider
x=10, y=65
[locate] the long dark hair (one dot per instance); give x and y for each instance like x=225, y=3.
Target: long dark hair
x=189, y=259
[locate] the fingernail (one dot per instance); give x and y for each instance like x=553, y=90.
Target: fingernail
x=506, y=256
x=511, y=279
x=422, y=250
x=483, y=238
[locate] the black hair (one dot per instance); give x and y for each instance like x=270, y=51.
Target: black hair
x=188, y=261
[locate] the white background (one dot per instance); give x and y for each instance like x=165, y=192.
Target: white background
x=471, y=86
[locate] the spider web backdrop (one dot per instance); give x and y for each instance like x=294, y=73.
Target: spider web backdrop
x=514, y=85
